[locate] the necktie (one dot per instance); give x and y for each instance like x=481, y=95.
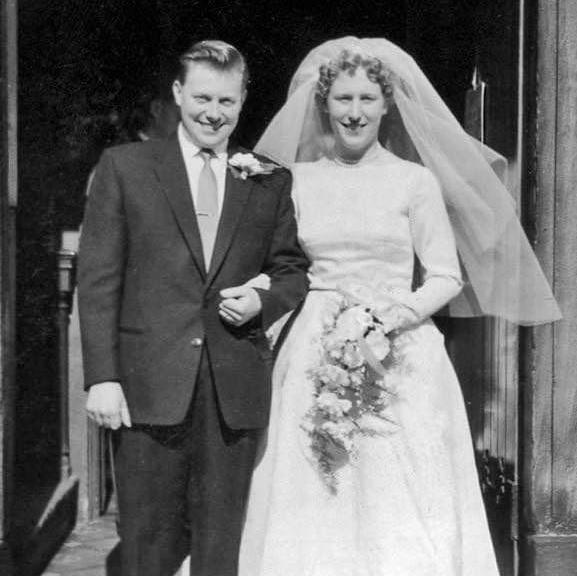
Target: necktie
x=207, y=206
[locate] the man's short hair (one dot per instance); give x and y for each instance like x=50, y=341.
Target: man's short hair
x=218, y=55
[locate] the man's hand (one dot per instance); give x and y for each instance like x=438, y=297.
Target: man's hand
x=106, y=405
x=239, y=305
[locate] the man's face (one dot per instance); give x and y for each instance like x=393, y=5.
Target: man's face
x=210, y=102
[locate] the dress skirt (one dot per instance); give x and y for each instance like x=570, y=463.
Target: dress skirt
x=407, y=504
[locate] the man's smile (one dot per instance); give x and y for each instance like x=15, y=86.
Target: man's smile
x=214, y=126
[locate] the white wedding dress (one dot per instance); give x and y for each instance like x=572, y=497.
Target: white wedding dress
x=410, y=504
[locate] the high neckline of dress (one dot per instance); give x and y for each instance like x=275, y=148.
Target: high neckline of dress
x=374, y=153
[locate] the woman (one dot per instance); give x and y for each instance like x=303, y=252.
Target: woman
x=403, y=498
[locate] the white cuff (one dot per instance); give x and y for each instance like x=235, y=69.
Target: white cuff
x=436, y=292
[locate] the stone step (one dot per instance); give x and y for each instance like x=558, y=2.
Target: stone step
x=91, y=550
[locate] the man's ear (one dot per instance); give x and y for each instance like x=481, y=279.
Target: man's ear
x=177, y=92
x=244, y=95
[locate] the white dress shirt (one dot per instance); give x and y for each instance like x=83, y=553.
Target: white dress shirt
x=194, y=164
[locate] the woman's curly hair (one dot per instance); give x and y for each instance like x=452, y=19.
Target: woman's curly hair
x=349, y=62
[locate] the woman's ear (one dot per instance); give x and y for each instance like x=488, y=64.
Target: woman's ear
x=385, y=107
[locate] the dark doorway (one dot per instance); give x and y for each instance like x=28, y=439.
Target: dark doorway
x=82, y=66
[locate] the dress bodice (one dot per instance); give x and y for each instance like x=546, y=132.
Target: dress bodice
x=365, y=222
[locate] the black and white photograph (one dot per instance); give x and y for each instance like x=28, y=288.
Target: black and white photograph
x=288, y=288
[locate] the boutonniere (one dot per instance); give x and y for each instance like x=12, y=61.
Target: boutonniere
x=245, y=165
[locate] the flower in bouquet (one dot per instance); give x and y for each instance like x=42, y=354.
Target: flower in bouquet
x=379, y=344
x=353, y=322
x=333, y=377
x=351, y=355
x=333, y=345
x=333, y=405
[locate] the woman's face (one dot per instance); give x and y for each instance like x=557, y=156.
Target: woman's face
x=355, y=106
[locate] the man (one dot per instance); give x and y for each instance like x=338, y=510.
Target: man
x=155, y=114
x=173, y=338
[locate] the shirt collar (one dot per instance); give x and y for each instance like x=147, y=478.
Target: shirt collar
x=190, y=149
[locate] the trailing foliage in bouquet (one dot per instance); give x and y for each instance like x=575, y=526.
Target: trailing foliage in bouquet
x=355, y=378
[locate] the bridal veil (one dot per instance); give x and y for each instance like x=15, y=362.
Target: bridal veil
x=503, y=275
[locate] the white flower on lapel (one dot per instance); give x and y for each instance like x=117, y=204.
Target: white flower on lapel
x=245, y=165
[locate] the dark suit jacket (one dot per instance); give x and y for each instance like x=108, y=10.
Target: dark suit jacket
x=147, y=306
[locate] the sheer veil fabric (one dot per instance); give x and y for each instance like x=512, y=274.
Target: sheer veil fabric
x=503, y=275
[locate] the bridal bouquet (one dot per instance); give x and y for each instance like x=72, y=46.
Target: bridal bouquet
x=354, y=382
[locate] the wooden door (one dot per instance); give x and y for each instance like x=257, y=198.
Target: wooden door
x=484, y=352
x=8, y=201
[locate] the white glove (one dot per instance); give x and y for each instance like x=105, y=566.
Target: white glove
x=435, y=293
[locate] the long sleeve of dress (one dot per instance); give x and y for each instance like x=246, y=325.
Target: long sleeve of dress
x=434, y=244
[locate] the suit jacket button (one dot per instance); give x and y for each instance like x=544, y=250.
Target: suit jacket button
x=196, y=342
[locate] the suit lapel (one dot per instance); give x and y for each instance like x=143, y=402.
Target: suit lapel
x=171, y=172
x=236, y=194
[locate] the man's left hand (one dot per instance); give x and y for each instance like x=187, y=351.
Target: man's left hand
x=239, y=305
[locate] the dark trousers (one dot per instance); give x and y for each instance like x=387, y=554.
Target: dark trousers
x=183, y=489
